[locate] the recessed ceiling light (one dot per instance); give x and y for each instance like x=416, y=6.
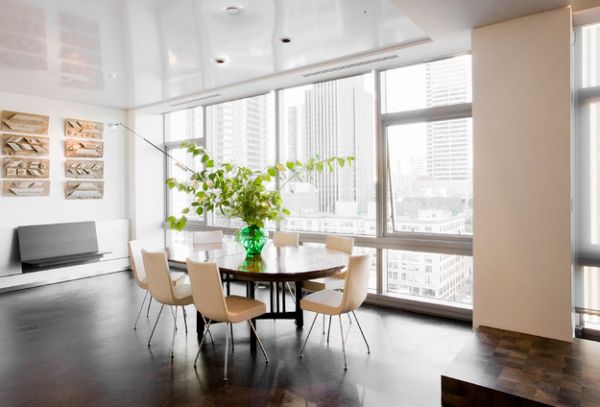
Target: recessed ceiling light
x=233, y=9
x=286, y=40
x=220, y=60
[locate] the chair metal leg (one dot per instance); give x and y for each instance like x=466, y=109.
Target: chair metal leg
x=231, y=330
x=323, y=324
x=329, y=329
x=174, y=314
x=140, y=311
x=148, y=311
x=209, y=334
x=156, y=323
x=349, y=319
x=362, y=333
x=174, y=331
x=343, y=342
x=184, y=318
x=202, y=341
x=290, y=290
x=259, y=341
x=226, y=354
x=309, y=331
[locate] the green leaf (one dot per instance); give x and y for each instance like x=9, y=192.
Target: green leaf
x=286, y=211
x=320, y=167
x=199, y=210
x=210, y=164
x=205, y=158
x=272, y=172
x=185, y=210
x=341, y=162
x=290, y=165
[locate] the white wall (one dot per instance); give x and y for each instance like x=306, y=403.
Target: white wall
x=55, y=208
x=147, y=175
x=521, y=123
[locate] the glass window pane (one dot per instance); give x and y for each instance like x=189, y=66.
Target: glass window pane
x=590, y=58
x=437, y=83
x=334, y=118
x=430, y=167
x=184, y=124
x=445, y=277
x=242, y=132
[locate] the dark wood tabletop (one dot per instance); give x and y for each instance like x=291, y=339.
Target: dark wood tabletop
x=274, y=264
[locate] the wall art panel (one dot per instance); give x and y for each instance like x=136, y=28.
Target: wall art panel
x=13, y=167
x=14, y=144
x=24, y=123
x=25, y=188
x=84, y=169
x=84, y=149
x=84, y=190
x=83, y=129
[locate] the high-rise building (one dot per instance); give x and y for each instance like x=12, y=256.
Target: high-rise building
x=448, y=142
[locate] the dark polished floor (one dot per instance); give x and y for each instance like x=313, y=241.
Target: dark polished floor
x=72, y=344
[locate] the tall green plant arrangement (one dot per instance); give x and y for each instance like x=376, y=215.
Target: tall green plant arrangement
x=236, y=191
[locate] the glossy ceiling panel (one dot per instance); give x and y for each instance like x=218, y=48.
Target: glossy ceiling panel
x=129, y=53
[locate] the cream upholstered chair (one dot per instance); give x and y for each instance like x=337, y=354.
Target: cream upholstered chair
x=137, y=266
x=333, y=302
x=208, y=237
x=282, y=239
x=211, y=302
x=161, y=289
x=341, y=244
x=335, y=282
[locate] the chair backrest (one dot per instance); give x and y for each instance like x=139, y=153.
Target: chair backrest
x=137, y=264
x=207, y=290
x=158, y=277
x=339, y=243
x=281, y=239
x=208, y=236
x=357, y=283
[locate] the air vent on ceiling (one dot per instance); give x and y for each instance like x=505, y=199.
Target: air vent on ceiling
x=196, y=100
x=348, y=66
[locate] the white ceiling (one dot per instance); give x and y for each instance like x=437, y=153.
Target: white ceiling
x=132, y=53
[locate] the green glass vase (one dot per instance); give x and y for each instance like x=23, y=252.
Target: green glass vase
x=253, y=238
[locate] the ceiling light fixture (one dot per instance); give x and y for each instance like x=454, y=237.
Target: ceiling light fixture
x=219, y=60
x=233, y=9
x=286, y=40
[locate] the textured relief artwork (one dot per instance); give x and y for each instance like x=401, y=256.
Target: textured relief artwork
x=83, y=129
x=25, y=168
x=26, y=188
x=84, y=189
x=84, y=149
x=24, y=123
x=14, y=144
x=84, y=169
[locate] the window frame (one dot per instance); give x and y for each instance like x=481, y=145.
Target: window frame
x=383, y=239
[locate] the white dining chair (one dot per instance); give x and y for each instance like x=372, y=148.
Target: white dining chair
x=333, y=302
x=161, y=289
x=283, y=239
x=139, y=274
x=336, y=281
x=211, y=302
x=208, y=237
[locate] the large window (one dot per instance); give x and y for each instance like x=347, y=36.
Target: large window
x=242, y=132
x=334, y=118
x=407, y=198
x=587, y=175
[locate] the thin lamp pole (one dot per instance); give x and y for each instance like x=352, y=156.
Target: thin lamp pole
x=177, y=162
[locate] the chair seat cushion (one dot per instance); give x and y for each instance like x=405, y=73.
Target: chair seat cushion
x=242, y=308
x=183, y=294
x=323, y=302
x=177, y=277
x=334, y=282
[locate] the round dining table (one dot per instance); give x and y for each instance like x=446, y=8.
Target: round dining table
x=275, y=266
